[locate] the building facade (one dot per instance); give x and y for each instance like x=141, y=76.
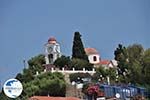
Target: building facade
x=52, y=50
x=93, y=55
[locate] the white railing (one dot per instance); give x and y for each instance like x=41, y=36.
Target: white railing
x=70, y=71
x=74, y=71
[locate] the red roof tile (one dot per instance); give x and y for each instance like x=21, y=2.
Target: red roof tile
x=52, y=98
x=104, y=62
x=89, y=51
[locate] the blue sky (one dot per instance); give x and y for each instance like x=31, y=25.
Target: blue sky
x=26, y=25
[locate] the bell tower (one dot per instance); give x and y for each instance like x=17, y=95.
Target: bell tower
x=52, y=50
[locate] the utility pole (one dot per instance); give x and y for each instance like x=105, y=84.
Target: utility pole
x=0, y=86
x=24, y=63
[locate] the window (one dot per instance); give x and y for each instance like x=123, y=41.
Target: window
x=94, y=58
x=50, y=57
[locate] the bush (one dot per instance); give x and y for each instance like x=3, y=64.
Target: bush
x=79, y=64
x=77, y=77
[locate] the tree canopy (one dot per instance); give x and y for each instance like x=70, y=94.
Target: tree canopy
x=69, y=64
x=52, y=84
x=78, y=48
x=146, y=66
x=63, y=61
x=44, y=84
x=133, y=64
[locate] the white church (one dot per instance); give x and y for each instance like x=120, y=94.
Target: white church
x=53, y=51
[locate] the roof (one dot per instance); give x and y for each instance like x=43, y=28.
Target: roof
x=52, y=40
x=52, y=98
x=104, y=62
x=114, y=62
x=90, y=51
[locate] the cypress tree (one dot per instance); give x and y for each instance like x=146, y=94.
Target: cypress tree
x=78, y=48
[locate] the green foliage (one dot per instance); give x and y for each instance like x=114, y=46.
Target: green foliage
x=79, y=58
x=78, y=48
x=85, y=87
x=79, y=64
x=121, y=56
x=63, y=61
x=36, y=63
x=52, y=84
x=133, y=64
x=146, y=66
x=68, y=63
x=26, y=76
x=3, y=96
x=135, y=52
x=102, y=73
x=111, y=72
x=77, y=77
x=48, y=83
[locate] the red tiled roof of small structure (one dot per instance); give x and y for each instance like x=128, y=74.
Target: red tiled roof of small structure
x=89, y=51
x=52, y=98
x=104, y=62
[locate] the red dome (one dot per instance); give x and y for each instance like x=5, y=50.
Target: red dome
x=51, y=40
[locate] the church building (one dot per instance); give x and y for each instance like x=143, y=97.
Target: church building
x=93, y=55
x=52, y=50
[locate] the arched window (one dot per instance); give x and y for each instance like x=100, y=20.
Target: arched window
x=94, y=58
x=50, y=57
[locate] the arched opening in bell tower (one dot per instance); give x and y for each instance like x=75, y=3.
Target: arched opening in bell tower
x=50, y=57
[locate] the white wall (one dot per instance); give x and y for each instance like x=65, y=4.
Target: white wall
x=91, y=58
x=56, y=53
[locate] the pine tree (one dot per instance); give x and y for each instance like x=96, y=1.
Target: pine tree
x=78, y=48
x=121, y=55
